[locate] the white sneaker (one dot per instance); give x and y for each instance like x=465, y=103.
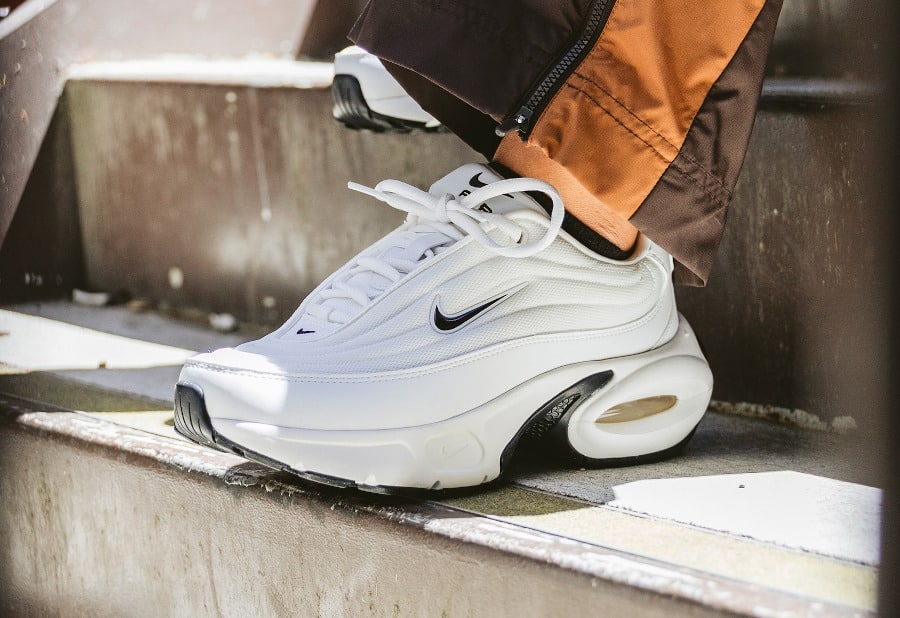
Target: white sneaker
x=366, y=96
x=424, y=360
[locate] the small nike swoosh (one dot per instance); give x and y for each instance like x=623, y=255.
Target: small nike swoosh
x=449, y=323
x=303, y=331
x=476, y=181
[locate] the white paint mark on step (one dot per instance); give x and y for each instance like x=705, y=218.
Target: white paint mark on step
x=799, y=511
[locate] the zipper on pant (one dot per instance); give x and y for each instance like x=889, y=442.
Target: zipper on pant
x=554, y=79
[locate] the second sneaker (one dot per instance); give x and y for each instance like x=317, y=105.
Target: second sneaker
x=366, y=96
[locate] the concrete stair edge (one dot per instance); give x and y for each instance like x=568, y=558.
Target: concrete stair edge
x=612, y=567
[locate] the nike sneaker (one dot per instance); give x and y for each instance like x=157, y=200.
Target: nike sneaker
x=366, y=96
x=477, y=324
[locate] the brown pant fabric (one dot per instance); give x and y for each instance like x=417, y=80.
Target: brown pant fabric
x=649, y=129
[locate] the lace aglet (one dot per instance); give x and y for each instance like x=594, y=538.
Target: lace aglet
x=355, y=186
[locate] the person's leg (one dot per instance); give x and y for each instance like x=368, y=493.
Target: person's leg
x=583, y=206
x=646, y=130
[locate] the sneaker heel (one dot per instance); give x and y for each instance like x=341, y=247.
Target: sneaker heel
x=646, y=413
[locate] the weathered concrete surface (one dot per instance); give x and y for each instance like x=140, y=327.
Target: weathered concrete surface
x=91, y=529
x=105, y=520
x=829, y=38
x=41, y=39
x=795, y=307
x=41, y=255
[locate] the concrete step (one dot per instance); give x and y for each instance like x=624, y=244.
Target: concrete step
x=107, y=511
x=39, y=42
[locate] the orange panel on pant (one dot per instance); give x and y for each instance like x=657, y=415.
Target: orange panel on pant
x=622, y=116
x=531, y=161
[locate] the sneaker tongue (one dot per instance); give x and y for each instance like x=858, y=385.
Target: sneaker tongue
x=471, y=176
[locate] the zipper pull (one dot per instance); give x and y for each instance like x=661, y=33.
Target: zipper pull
x=517, y=122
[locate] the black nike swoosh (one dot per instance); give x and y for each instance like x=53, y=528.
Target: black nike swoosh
x=476, y=181
x=447, y=323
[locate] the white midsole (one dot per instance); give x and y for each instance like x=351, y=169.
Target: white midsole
x=465, y=450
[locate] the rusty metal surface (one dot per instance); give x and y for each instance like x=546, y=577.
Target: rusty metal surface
x=242, y=191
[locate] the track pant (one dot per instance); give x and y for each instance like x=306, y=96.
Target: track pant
x=642, y=109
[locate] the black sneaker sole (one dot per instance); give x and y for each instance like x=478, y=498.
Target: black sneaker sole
x=542, y=436
x=351, y=110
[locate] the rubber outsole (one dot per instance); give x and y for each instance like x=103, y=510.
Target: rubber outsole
x=352, y=110
x=193, y=422
x=544, y=433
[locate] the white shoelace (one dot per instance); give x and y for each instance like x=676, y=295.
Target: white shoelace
x=434, y=223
